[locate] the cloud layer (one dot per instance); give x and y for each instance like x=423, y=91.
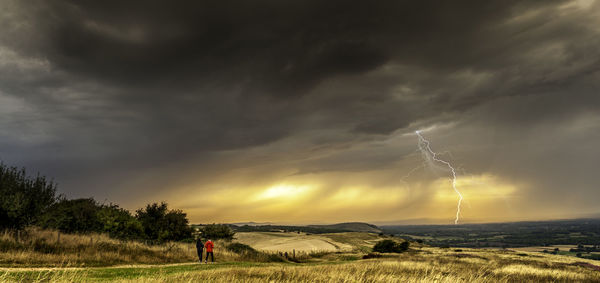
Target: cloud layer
x=141, y=101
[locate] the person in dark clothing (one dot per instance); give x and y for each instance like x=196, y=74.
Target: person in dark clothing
x=199, y=248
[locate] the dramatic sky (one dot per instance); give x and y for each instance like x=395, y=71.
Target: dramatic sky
x=306, y=111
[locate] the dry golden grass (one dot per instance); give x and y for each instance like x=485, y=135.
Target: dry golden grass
x=423, y=265
x=72, y=257
x=437, y=266
x=38, y=247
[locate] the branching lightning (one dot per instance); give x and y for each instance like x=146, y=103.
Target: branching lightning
x=427, y=152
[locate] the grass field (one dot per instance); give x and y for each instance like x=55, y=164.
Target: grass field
x=563, y=248
x=344, y=264
x=49, y=248
x=425, y=265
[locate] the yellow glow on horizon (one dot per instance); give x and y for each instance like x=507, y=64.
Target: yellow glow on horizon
x=353, y=196
x=476, y=187
x=486, y=196
x=283, y=191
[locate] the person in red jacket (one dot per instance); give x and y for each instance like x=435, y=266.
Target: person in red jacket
x=209, y=245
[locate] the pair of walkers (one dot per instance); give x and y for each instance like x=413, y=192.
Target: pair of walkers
x=209, y=245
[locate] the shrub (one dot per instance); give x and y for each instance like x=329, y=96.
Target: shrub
x=217, y=231
x=119, y=223
x=240, y=248
x=23, y=199
x=161, y=224
x=371, y=255
x=390, y=246
x=73, y=216
x=86, y=215
x=247, y=253
x=404, y=246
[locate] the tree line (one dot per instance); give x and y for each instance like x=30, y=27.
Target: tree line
x=33, y=201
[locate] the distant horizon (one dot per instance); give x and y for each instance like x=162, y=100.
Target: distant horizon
x=407, y=222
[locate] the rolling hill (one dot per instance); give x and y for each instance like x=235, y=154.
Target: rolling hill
x=351, y=227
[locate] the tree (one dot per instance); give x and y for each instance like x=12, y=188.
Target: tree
x=23, y=199
x=73, y=216
x=161, y=224
x=119, y=223
x=178, y=224
x=390, y=246
x=217, y=231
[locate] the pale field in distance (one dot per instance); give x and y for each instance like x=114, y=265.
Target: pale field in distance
x=563, y=248
x=289, y=241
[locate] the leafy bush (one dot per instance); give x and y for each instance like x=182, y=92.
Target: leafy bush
x=240, y=248
x=161, y=224
x=86, y=215
x=26, y=200
x=22, y=198
x=119, y=223
x=390, y=246
x=372, y=255
x=217, y=231
x=73, y=216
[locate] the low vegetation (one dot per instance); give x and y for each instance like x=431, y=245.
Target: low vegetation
x=27, y=201
x=391, y=246
x=504, y=235
x=35, y=247
x=427, y=264
x=216, y=231
x=23, y=199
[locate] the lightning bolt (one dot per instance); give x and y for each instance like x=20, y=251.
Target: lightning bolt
x=426, y=149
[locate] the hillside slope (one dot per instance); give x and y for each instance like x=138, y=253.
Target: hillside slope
x=351, y=227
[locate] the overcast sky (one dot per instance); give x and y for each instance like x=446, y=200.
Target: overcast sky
x=305, y=111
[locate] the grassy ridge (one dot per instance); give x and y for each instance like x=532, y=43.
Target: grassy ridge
x=47, y=248
x=36, y=247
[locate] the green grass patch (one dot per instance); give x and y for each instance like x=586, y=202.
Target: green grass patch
x=133, y=273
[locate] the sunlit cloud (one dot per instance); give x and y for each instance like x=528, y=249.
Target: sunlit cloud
x=284, y=192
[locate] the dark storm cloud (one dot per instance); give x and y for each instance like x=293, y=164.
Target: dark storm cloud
x=100, y=90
